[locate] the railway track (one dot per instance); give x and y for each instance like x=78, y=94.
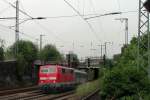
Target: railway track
x=35, y=95
x=72, y=96
x=62, y=96
x=91, y=95
x=20, y=90
x=20, y=96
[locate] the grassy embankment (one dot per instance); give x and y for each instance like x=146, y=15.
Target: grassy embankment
x=85, y=89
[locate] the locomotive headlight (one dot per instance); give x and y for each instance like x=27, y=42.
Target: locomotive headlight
x=52, y=78
x=43, y=78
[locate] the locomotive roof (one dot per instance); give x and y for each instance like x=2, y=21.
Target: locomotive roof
x=57, y=66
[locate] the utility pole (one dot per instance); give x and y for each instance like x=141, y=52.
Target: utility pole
x=41, y=41
x=37, y=42
x=126, y=28
x=101, y=46
x=73, y=46
x=17, y=27
x=105, y=45
x=102, y=51
x=91, y=49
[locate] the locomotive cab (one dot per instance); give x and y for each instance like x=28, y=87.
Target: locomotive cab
x=55, y=77
x=47, y=75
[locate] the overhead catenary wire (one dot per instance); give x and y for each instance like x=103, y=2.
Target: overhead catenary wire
x=94, y=10
x=41, y=26
x=18, y=9
x=84, y=15
x=90, y=26
x=19, y=31
x=69, y=16
x=55, y=17
x=4, y=10
x=64, y=16
x=9, y=42
x=49, y=31
x=28, y=16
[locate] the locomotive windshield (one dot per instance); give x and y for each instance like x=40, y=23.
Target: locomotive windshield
x=48, y=70
x=52, y=70
x=44, y=70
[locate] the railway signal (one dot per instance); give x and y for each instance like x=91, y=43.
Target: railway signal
x=69, y=60
x=88, y=62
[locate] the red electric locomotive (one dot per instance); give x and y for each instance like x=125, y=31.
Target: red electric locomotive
x=56, y=78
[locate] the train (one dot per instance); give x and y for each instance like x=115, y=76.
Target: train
x=59, y=78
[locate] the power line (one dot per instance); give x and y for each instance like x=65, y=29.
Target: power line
x=60, y=16
x=19, y=9
x=19, y=31
x=67, y=16
x=31, y=18
x=8, y=18
x=84, y=15
x=49, y=31
x=90, y=26
x=4, y=10
x=94, y=10
x=114, y=13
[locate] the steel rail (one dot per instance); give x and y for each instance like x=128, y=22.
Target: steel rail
x=90, y=95
x=56, y=96
x=13, y=91
x=17, y=96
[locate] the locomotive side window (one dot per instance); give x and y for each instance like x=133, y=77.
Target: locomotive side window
x=52, y=70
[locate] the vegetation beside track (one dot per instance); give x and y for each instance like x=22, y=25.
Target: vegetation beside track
x=123, y=79
x=87, y=88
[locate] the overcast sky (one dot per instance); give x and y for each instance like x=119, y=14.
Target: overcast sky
x=72, y=33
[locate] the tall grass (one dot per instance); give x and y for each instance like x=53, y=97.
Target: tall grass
x=85, y=89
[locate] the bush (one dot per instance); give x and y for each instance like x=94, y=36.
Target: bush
x=125, y=81
x=87, y=88
x=21, y=64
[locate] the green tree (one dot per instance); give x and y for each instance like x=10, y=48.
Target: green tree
x=1, y=53
x=50, y=53
x=126, y=81
x=25, y=48
x=26, y=54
